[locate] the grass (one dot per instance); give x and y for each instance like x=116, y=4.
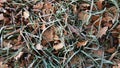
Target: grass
x=28, y=33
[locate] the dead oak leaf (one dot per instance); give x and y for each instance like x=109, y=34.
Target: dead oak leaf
x=102, y=32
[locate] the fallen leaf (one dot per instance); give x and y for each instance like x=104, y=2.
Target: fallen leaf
x=96, y=20
x=76, y=60
x=18, y=56
x=107, y=20
x=74, y=7
x=38, y=5
x=2, y=65
x=48, y=5
x=84, y=6
x=58, y=46
x=39, y=47
x=99, y=4
x=111, y=50
x=113, y=10
x=98, y=52
x=1, y=17
x=83, y=16
x=81, y=43
x=48, y=35
x=43, y=25
x=26, y=14
x=102, y=32
x=2, y=1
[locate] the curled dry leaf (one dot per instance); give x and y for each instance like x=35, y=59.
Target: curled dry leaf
x=39, y=47
x=1, y=17
x=81, y=43
x=18, y=56
x=102, y=32
x=58, y=46
x=26, y=14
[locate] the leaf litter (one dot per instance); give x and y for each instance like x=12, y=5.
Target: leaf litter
x=35, y=24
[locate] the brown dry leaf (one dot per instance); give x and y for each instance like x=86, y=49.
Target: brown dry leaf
x=1, y=17
x=84, y=6
x=113, y=10
x=111, y=50
x=48, y=5
x=18, y=56
x=99, y=4
x=48, y=35
x=74, y=7
x=7, y=44
x=2, y=65
x=39, y=47
x=56, y=37
x=98, y=52
x=43, y=26
x=95, y=20
x=81, y=43
x=38, y=5
x=76, y=60
x=26, y=14
x=83, y=16
x=58, y=46
x=108, y=19
x=102, y=32
x=2, y=1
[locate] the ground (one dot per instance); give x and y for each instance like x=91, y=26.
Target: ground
x=59, y=33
